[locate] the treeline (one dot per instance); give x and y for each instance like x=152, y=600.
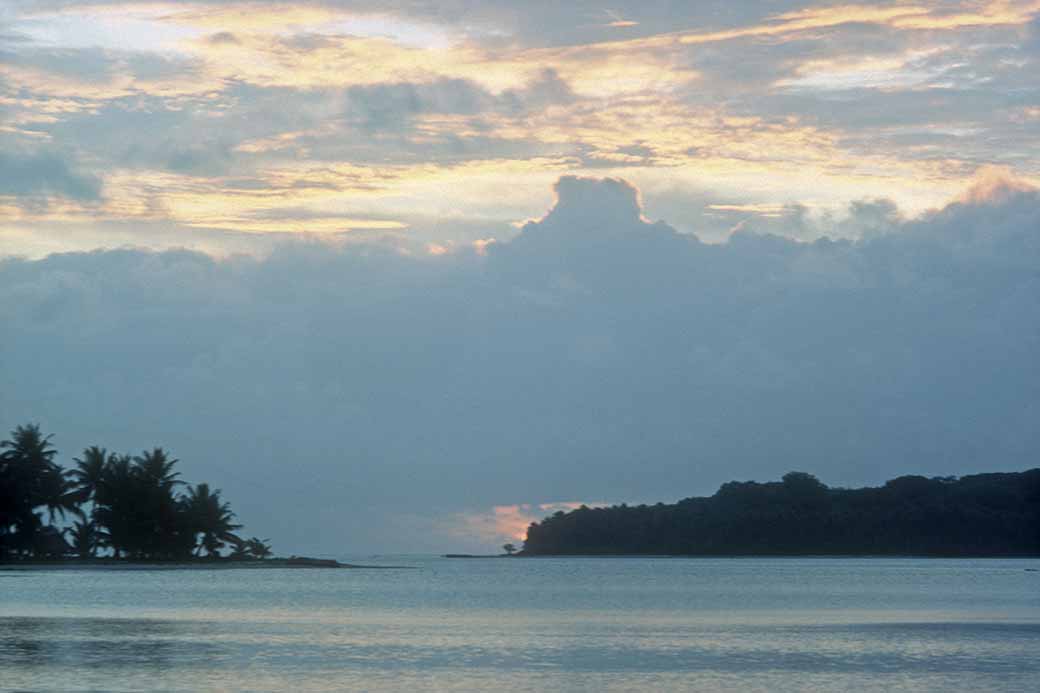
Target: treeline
x=979, y=515
x=123, y=506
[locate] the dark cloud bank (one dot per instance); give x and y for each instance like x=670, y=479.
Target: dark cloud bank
x=350, y=399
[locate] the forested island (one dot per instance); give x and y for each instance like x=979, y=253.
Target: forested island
x=111, y=507
x=978, y=515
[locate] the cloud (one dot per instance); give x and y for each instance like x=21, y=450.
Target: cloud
x=91, y=74
x=366, y=396
x=900, y=17
x=32, y=175
x=994, y=185
x=590, y=205
x=544, y=90
x=391, y=106
x=786, y=104
x=222, y=37
x=395, y=106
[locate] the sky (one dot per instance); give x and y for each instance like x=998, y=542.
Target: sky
x=404, y=276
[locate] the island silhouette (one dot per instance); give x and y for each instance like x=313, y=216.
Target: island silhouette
x=985, y=515
x=126, y=511
x=134, y=508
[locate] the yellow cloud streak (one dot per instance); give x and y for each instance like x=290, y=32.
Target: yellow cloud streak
x=249, y=16
x=41, y=82
x=763, y=209
x=598, y=69
x=262, y=55
x=625, y=83
x=889, y=71
x=702, y=150
x=900, y=16
x=816, y=18
x=327, y=197
x=341, y=61
x=1000, y=13
x=305, y=225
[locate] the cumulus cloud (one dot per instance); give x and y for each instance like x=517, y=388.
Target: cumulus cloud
x=356, y=397
x=859, y=220
x=589, y=205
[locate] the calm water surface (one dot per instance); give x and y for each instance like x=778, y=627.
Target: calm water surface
x=530, y=625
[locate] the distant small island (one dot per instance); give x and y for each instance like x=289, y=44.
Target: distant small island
x=983, y=515
x=119, y=512
x=112, y=508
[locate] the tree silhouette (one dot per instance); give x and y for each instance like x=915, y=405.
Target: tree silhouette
x=29, y=479
x=113, y=509
x=155, y=469
x=239, y=550
x=85, y=538
x=137, y=511
x=89, y=472
x=134, y=508
x=259, y=548
x=978, y=515
x=210, y=517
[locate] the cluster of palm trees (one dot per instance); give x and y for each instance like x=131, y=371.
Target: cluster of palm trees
x=132, y=507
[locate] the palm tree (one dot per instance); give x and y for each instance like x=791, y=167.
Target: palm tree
x=259, y=548
x=29, y=478
x=85, y=538
x=156, y=468
x=210, y=517
x=160, y=528
x=136, y=510
x=114, y=511
x=89, y=472
x=239, y=550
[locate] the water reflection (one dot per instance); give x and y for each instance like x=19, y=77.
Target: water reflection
x=114, y=644
x=587, y=626
x=105, y=643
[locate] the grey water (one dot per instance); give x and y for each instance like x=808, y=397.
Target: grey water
x=553, y=624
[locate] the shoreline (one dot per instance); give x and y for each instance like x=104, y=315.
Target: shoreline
x=265, y=564
x=758, y=555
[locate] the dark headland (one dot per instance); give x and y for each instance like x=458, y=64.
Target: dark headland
x=983, y=515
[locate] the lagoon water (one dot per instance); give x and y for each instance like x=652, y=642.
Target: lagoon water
x=553, y=624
